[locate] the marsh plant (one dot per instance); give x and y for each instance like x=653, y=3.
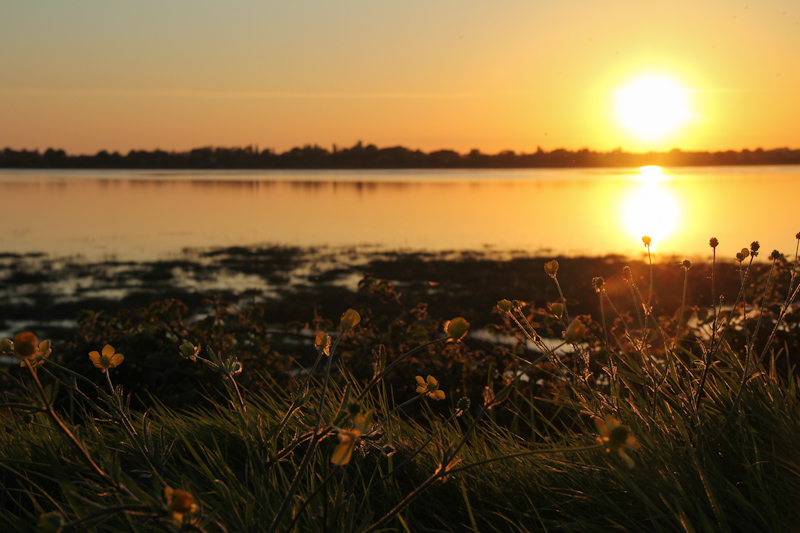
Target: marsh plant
x=636, y=420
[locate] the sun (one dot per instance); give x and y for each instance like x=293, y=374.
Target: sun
x=653, y=107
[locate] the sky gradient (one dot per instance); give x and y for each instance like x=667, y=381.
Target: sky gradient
x=88, y=75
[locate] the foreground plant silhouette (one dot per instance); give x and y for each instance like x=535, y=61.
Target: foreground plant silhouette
x=658, y=422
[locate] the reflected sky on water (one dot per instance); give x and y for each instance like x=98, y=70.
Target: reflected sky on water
x=132, y=215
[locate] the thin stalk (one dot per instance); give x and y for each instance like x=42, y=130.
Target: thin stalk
x=523, y=454
x=650, y=260
x=789, y=301
x=707, y=354
x=450, y=455
x=48, y=407
x=312, y=446
x=711, y=354
x=563, y=300
x=417, y=451
x=761, y=311
x=790, y=296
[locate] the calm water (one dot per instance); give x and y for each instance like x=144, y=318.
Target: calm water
x=157, y=214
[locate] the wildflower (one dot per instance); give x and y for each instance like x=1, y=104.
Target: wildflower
x=551, y=267
x=575, y=332
x=350, y=319
x=626, y=273
x=179, y=503
x=616, y=438
x=713, y=242
x=504, y=306
x=754, y=247
x=775, y=255
x=429, y=387
x=189, y=351
x=687, y=264
x=27, y=348
x=108, y=359
x=456, y=329
x=741, y=256
x=348, y=439
x=323, y=343
x=646, y=240
x=598, y=283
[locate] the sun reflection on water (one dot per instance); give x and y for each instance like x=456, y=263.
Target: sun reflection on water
x=651, y=209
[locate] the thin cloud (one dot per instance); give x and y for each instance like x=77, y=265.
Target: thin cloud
x=194, y=93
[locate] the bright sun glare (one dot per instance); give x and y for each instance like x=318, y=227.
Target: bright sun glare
x=652, y=107
x=651, y=209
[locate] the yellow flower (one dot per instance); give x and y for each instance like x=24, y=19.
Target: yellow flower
x=551, y=268
x=456, y=329
x=504, y=306
x=108, y=359
x=179, y=503
x=348, y=439
x=616, y=438
x=27, y=348
x=429, y=387
x=350, y=319
x=323, y=343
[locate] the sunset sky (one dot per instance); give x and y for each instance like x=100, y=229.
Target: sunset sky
x=97, y=75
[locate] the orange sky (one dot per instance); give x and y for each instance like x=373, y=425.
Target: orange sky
x=92, y=75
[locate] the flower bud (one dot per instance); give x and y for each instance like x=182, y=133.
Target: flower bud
x=713, y=242
x=598, y=283
x=551, y=267
x=775, y=255
x=504, y=306
x=463, y=404
x=626, y=273
x=557, y=310
x=575, y=332
x=646, y=240
x=188, y=350
x=456, y=329
x=687, y=264
x=350, y=319
x=25, y=345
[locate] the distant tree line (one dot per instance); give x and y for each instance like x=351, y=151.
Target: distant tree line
x=370, y=156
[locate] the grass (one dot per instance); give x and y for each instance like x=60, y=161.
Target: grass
x=700, y=409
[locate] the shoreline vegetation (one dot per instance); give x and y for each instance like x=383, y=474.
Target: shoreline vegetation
x=629, y=396
x=370, y=156
x=295, y=284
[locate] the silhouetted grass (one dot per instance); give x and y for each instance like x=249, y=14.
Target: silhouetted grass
x=700, y=400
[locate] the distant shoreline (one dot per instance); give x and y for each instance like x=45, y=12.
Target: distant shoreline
x=370, y=156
